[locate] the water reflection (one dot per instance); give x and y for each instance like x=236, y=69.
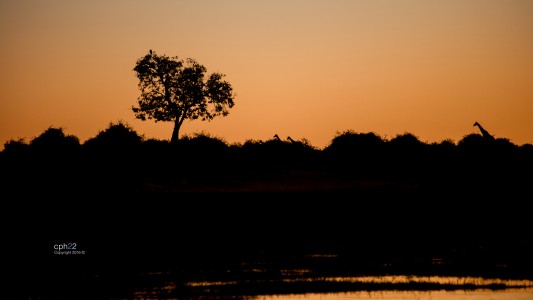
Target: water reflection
x=514, y=294
x=449, y=282
x=358, y=287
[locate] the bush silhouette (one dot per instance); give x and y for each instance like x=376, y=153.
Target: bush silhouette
x=471, y=142
x=118, y=136
x=277, y=155
x=356, y=154
x=202, y=150
x=15, y=160
x=50, y=160
x=352, y=145
x=442, y=161
x=111, y=157
x=53, y=141
x=15, y=150
x=406, y=157
x=54, y=150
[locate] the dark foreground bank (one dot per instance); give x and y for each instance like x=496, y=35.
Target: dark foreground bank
x=115, y=235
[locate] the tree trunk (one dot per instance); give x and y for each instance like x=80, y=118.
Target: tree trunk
x=175, y=132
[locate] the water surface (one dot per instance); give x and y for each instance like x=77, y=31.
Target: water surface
x=357, y=287
x=511, y=294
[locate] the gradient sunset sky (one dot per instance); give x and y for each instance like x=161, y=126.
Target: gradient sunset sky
x=300, y=68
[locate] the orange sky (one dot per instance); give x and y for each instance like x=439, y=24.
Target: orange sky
x=305, y=69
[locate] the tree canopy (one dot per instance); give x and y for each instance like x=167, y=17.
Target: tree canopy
x=173, y=90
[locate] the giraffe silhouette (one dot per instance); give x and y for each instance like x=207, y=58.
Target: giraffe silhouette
x=289, y=139
x=486, y=135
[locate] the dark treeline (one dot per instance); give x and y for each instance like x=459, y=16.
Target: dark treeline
x=474, y=186
x=118, y=158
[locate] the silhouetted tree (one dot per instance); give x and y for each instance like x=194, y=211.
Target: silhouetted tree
x=174, y=90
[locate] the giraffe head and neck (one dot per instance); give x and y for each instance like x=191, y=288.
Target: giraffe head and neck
x=486, y=134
